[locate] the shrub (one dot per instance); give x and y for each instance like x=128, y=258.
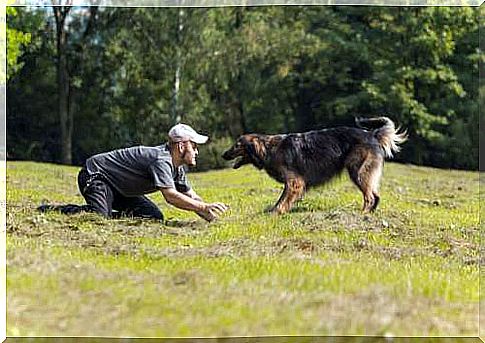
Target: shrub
x=210, y=155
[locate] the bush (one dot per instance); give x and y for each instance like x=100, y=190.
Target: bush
x=210, y=154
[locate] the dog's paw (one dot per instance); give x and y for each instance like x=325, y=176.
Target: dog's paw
x=277, y=211
x=269, y=209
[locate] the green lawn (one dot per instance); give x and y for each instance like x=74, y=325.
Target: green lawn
x=409, y=269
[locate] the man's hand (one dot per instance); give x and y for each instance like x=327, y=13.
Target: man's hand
x=212, y=211
x=185, y=201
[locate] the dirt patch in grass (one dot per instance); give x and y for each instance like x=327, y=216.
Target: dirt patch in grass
x=126, y=236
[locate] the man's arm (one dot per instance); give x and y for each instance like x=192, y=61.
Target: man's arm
x=180, y=200
x=191, y=193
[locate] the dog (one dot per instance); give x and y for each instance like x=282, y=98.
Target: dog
x=304, y=160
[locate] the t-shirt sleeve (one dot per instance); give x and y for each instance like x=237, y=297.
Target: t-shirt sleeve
x=181, y=182
x=162, y=174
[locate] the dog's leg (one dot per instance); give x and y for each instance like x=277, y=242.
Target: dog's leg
x=365, y=181
x=365, y=170
x=374, y=180
x=377, y=199
x=282, y=198
x=356, y=168
x=294, y=190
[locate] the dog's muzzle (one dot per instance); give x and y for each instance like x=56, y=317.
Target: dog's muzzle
x=230, y=155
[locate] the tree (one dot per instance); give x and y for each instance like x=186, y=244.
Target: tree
x=415, y=76
x=69, y=46
x=133, y=72
x=16, y=40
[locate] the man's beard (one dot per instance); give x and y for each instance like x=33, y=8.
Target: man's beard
x=190, y=163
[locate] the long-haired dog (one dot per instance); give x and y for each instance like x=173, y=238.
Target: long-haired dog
x=303, y=160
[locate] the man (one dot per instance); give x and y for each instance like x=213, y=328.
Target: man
x=120, y=179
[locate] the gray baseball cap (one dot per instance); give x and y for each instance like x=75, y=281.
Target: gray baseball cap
x=183, y=132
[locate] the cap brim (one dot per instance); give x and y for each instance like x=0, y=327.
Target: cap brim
x=199, y=139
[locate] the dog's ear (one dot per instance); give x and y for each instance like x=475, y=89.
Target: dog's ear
x=255, y=152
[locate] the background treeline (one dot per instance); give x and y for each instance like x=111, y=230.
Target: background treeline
x=85, y=80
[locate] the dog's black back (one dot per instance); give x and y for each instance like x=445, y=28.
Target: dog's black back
x=318, y=155
x=302, y=160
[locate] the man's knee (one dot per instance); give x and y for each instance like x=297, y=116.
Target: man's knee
x=99, y=198
x=144, y=208
x=148, y=213
x=102, y=211
x=157, y=216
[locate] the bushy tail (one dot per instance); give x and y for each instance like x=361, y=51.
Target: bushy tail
x=386, y=133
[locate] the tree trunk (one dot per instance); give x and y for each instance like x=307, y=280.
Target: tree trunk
x=175, y=113
x=240, y=106
x=242, y=118
x=305, y=118
x=64, y=113
x=63, y=85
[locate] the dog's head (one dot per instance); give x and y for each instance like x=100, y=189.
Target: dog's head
x=249, y=149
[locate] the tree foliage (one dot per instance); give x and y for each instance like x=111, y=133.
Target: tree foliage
x=16, y=41
x=270, y=69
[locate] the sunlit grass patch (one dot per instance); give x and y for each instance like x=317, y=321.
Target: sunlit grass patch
x=411, y=268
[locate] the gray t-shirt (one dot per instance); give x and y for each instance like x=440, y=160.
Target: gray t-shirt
x=139, y=170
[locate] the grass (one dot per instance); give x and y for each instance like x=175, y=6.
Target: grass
x=410, y=269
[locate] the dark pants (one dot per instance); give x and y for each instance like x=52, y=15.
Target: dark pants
x=102, y=198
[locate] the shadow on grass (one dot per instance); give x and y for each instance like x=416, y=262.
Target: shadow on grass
x=194, y=223
x=305, y=207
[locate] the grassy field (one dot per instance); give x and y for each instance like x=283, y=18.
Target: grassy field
x=411, y=268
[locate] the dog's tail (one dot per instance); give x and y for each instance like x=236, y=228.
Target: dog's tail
x=386, y=133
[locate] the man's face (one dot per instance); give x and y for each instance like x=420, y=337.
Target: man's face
x=189, y=152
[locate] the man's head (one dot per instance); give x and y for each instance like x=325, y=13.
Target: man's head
x=183, y=143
